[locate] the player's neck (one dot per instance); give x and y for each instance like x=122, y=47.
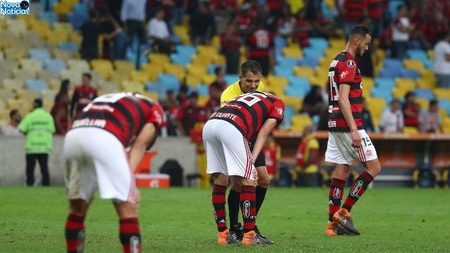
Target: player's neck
x=350, y=50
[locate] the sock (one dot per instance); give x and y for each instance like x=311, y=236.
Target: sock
x=130, y=235
x=233, y=207
x=74, y=233
x=260, y=196
x=248, y=205
x=335, y=196
x=218, y=202
x=358, y=188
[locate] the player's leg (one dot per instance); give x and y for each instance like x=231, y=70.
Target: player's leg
x=29, y=170
x=129, y=231
x=261, y=190
x=74, y=228
x=233, y=201
x=217, y=166
x=248, y=208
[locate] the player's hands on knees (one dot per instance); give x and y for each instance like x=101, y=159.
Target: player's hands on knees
x=356, y=139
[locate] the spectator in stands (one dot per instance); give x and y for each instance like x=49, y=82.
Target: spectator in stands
x=272, y=153
x=132, y=15
x=365, y=62
x=353, y=11
x=313, y=103
x=374, y=10
x=430, y=120
x=90, y=31
x=442, y=60
x=302, y=29
x=60, y=109
x=171, y=126
x=259, y=46
x=158, y=33
x=168, y=7
x=323, y=27
x=243, y=21
x=286, y=23
x=182, y=96
x=391, y=120
x=219, y=71
x=82, y=95
x=202, y=25
x=225, y=11
x=367, y=118
x=411, y=110
x=230, y=44
x=401, y=30
x=12, y=127
x=215, y=91
x=113, y=33
x=308, y=159
x=190, y=114
x=39, y=127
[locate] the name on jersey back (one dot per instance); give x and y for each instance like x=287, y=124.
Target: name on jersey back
x=89, y=122
x=224, y=115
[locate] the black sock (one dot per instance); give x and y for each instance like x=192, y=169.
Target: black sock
x=260, y=196
x=233, y=207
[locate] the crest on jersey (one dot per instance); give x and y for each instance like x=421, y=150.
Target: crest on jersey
x=279, y=110
x=343, y=74
x=351, y=64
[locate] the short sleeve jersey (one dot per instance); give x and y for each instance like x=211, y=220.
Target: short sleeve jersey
x=248, y=112
x=122, y=114
x=344, y=70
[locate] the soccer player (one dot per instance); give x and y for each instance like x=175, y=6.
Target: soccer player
x=247, y=118
x=95, y=152
x=347, y=139
x=249, y=81
x=82, y=95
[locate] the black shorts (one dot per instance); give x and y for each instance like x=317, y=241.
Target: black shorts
x=260, y=160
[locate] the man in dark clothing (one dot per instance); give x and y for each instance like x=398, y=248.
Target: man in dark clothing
x=90, y=30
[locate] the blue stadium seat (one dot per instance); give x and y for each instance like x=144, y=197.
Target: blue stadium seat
x=36, y=84
x=319, y=43
x=280, y=70
x=410, y=73
x=203, y=89
x=424, y=93
x=294, y=91
x=428, y=64
x=230, y=79
x=287, y=62
x=392, y=63
x=157, y=87
x=279, y=43
x=68, y=46
x=308, y=61
x=444, y=103
x=81, y=8
x=391, y=72
x=382, y=93
x=384, y=83
x=76, y=19
x=288, y=113
x=212, y=68
x=55, y=65
x=186, y=50
x=181, y=59
x=416, y=54
x=40, y=54
x=299, y=82
x=170, y=81
x=313, y=52
x=48, y=16
x=49, y=2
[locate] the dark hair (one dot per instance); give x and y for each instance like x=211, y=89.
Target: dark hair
x=217, y=70
x=92, y=14
x=183, y=88
x=65, y=85
x=13, y=113
x=38, y=102
x=442, y=35
x=252, y=66
x=433, y=102
x=409, y=94
x=216, y=86
x=359, y=30
x=88, y=75
x=193, y=94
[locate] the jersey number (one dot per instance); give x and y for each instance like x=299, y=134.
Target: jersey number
x=333, y=87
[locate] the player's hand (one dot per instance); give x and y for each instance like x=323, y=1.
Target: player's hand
x=356, y=139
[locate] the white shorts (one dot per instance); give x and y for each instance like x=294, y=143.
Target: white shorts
x=227, y=151
x=97, y=159
x=340, y=150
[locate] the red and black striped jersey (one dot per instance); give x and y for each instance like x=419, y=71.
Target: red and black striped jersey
x=82, y=96
x=249, y=111
x=122, y=114
x=374, y=8
x=353, y=10
x=344, y=70
x=260, y=43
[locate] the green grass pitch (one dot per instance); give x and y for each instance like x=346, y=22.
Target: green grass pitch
x=181, y=220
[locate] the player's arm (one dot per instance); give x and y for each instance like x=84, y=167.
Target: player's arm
x=141, y=144
x=265, y=130
x=344, y=105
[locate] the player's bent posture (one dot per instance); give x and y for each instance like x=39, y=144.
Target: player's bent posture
x=226, y=135
x=249, y=81
x=347, y=139
x=95, y=152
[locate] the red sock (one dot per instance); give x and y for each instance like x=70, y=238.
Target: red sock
x=218, y=201
x=130, y=235
x=248, y=206
x=335, y=196
x=358, y=188
x=74, y=233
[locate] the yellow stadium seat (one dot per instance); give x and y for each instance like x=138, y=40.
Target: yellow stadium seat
x=337, y=43
x=159, y=59
x=12, y=84
x=446, y=125
x=304, y=71
x=24, y=106
x=294, y=102
x=123, y=66
x=7, y=94
x=48, y=94
x=405, y=83
x=202, y=59
x=2, y=104
x=4, y=115
x=41, y=27
x=196, y=69
x=410, y=130
x=219, y=59
x=62, y=54
x=442, y=93
x=17, y=26
x=78, y=64
x=46, y=75
x=332, y=52
x=207, y=50
x=118, y=77
x=63, y=27
x=74, y=75
x=140, y=76
x=132, y=86
x=399, y=93
x=151, y=94
x=423, y=102
x=430, y=54
x=279, y=81
x=424, y=83
x=293, y=51
x=413, y=64
x=443, y=113
x=61, y=9
x=55, y=37
x=176, y=70
x=15, y=53
x=299, y=122
x=208, y=78
x=193, y=80
x=26, y=94
x=55, y=84
x=23, y=74
x=202, y=99
x=376, y=106
x=32, y=65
